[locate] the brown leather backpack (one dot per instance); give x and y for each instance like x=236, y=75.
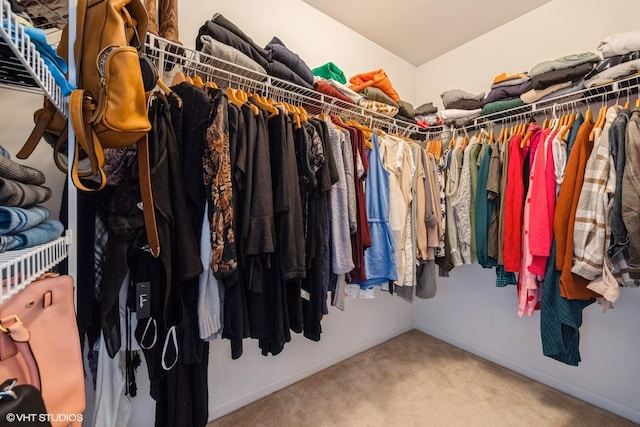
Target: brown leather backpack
x=109, y=108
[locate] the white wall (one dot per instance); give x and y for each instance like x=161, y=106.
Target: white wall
x=553, y=30
x=469, y=311
x=314, y=36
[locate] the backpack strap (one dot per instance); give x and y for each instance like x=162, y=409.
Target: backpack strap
x=78, y=47
x=146, y=193
x=85, y=139
x=42, y=123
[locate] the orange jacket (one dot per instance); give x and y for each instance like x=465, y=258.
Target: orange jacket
x=572, y=286
x=377, y=78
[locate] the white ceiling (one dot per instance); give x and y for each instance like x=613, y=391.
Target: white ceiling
x=420, y=30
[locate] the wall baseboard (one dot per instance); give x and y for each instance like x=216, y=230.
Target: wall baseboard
x=632, y=414
x=260, y=392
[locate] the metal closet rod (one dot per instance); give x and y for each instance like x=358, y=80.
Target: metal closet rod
x=168, y=55
x=227, y=74
x=625, y=87
x=622, y=88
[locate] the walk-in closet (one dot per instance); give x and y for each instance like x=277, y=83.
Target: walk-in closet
x=308, y=213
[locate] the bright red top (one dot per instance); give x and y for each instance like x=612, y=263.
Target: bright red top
x=543, y=203
x=514, y=202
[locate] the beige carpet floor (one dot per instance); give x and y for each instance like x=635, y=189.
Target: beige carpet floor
x=417, y=380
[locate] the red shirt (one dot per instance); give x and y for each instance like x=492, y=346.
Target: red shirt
x=514, y=204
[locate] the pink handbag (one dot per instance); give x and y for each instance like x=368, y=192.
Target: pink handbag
x=40, y=345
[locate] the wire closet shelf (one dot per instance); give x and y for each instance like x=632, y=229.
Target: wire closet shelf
x=20, y=268
x=619, y=90
x=169, y=56
x=21, y=66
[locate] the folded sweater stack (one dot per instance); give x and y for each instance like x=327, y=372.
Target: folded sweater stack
x=276, y=59
x=621, y=53
x=425, y=115
x=379, y=95
x=459, y=104
x=507, y=86
x=23, y=223
x=565, y=73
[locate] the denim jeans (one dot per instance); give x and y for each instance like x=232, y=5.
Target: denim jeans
x=13, y=220
x=41, y=233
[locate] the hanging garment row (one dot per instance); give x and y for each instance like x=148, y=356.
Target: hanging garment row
x=550, y=207
x=277, y=200
x=228, y=70
x=265, y=222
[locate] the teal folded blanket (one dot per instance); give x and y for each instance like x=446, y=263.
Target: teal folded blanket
x=505, y=104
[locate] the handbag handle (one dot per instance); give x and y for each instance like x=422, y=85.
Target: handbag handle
x=20, y=336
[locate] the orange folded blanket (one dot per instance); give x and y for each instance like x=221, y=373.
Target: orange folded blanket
x=377, y=78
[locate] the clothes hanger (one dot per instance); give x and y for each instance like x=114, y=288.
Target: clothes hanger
x=519, y=127
x=558, y=124
x=210, y=83
x=367, y=132
x=435, y=148
x=167, y=90
x=554, y=117
x=588, y=115
x=232, y=95
x=187, y=78
x=178, y=78
x=507, y=136
x=324, y=115
x=197, y=81
x=501, y=135
x=522, y=129
x=512, y=129
x=465, y=140
x=340, y=121
x=563, y=116
x=531, y=130
x=288, y=108
x=452, y=141
x=600, y=121
x=572, y=117
x=357, y=124
x=545, y=122
x=244, y=97
x=264, y=104
x=304, y=114
x=482, y=136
